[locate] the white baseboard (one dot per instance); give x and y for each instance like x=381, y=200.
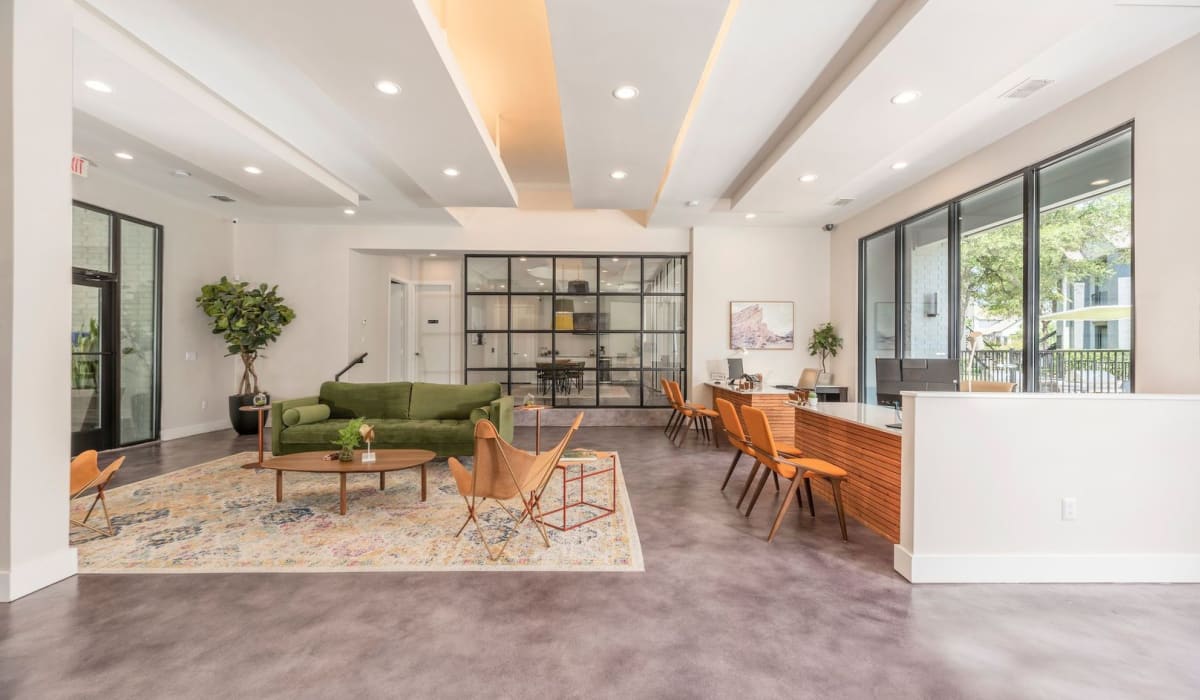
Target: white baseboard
x=25, y=578
x=196, y=429
x=1046, y=568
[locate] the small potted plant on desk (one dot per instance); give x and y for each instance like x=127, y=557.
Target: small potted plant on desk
x=824, y=343
x=248, y=319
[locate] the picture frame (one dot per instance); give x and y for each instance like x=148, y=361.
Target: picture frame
x=762, y=325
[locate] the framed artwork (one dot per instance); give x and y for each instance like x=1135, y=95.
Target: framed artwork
x=762, y=325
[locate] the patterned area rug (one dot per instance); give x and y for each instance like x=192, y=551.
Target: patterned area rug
x=218, y=517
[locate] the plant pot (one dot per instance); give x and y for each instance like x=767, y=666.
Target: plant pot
x=825, y=379
x=346, y=454
x=244, y=422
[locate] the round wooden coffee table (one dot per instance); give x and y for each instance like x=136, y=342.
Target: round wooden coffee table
x=315, y=462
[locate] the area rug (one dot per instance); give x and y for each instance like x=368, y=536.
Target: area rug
x=219, y=517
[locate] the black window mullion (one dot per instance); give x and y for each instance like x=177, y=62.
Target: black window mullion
x=954, y=283
x=1029, y=363
x=898, y=291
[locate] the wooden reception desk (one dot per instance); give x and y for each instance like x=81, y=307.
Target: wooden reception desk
x=855, y=437
x=773, y=402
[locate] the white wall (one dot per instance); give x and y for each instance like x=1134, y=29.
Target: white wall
x=978, y=505
x=756, y=264
x=1162, y=96
x=197, y=249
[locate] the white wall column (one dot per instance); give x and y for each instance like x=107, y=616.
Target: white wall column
x=35, y=293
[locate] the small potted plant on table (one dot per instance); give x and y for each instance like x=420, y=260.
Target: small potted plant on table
x=349, y=438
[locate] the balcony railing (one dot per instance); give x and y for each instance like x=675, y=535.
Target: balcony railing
x=1067, y=371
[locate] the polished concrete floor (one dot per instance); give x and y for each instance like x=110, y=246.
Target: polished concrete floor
x=717, y=613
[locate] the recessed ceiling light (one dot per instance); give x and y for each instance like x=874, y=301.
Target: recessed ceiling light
x=433, y=255
x=123, y=155
x=1098, y=183
x=905, y=97
x=693, y=202
x=616, y=260
x=625, y=92
x=348, y=212
x=900, y=165
x=618, y=174
x=523, y=259
x=181, y=173
x=808, y=178
x=450, y=172
x=387, y=87
x=541, y=284
x=98, y=86
x=253, y=169
x=751, y=215
x=502, y=286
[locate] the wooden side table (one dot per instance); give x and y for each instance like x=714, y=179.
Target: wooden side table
x=537, y=412
x=262, y=413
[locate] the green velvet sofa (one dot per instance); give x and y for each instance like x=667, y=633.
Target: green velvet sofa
x=405, y=415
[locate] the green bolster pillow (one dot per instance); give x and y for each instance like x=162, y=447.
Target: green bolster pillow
x=478, y=414
x=303, y=415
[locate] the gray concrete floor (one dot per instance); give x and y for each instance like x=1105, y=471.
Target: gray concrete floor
x=718, y=613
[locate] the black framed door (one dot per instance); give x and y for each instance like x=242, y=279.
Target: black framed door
x=94, y=385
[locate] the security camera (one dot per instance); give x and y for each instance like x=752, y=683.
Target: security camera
x=235, y=220
x=828, y=227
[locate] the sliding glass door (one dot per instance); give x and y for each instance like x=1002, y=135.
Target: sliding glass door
x=878, y=327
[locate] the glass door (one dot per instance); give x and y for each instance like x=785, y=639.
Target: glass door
x=91, y=365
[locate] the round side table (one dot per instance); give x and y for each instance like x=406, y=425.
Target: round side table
x=537, y=412
x=262, y=412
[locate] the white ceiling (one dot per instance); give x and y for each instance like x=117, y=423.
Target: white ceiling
x=737, y=99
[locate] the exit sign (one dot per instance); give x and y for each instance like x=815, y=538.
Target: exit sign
x=79, y=165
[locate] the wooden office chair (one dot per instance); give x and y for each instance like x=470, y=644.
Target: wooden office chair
x=503, y=472
x=794, y=470
x=676, y=416
x=85, y=473
x=808, y=379
x=991, y=387
x=693, y=414
x=738, y=438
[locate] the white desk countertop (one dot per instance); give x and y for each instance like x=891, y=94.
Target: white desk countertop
x=876, y=417
x=765, y=391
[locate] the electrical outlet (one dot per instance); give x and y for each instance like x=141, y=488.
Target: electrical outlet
x=1068, y=508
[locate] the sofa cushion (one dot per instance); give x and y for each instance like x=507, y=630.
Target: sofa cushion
x=450, y=401
x=423, y=432
x=302, y=415
x=374, y=400
x=322, y=433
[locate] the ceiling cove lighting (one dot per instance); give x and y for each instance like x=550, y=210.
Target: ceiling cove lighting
x=751, y=215
x=625, y=92
x=450, y=172
x=899, y=165
x=123, y=155
x=98, y=86
x=387, y=87
x=906, y=97
x=253, y=169
x=348, y=212
x=808, y=178
x=618, y=174
x=1101, y=182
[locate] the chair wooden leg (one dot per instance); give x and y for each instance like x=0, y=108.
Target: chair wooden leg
x=808, y=490
x=761, y=483
x=749, y=481
x=104, y=507
x=776, y=475
x=783, y=507
x=686, y=429
x=836, y=485
x=671, y=422
x=736, y=456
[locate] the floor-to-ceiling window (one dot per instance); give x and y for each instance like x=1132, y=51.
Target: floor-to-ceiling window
x=115, y=319
x=577, y=330
x=1035, y=271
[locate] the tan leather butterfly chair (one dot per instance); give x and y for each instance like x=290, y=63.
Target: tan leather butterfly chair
x=738, y=438
x=794, y=470
x=85, y=473
x=503, y=472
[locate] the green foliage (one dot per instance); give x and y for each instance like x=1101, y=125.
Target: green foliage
x=824, y=342
x=348, y=437
x=248, y=319
x=84, y=369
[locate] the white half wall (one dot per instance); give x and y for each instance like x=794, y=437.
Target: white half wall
x=197, y=249
x=984, y=478
x=756, y=264
x=1161, y=95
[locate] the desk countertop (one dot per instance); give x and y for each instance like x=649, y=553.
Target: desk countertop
x=764, y=391
x=876, y=417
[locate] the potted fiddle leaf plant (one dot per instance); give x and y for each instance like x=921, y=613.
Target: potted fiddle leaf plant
x=824, y=343
x=248, y=319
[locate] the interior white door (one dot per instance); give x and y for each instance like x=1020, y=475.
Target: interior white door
x=399, y=360
x=434, y=333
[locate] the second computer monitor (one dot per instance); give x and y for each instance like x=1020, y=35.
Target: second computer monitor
x=735, y=368
x=893, y=376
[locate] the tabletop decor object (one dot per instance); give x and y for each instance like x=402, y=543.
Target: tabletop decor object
x=348, y=438
x=367, y=433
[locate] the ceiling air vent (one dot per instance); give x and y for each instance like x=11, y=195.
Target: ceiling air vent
x=842, y=201
x=222, y=198
x=1026, y=88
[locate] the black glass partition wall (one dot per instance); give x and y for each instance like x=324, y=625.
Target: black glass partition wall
x=577, y=330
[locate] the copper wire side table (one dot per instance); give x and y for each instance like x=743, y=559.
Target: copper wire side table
x=581, y=478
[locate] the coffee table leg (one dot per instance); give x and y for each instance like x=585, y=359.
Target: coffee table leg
x=382, y=483
x=278, y=485
x=342, y=491
x=422, y=483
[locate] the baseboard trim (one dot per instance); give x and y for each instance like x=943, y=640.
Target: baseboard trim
x=25, y=578
x=189, y=430
x=1046, y=568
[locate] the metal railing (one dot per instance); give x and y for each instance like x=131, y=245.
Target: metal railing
x=1066, y=371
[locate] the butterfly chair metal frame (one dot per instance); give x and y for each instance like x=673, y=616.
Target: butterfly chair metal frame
x=515, y=474
x=85, y=474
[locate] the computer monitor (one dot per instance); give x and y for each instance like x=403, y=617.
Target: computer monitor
x=735, y=368
x=893, y=376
